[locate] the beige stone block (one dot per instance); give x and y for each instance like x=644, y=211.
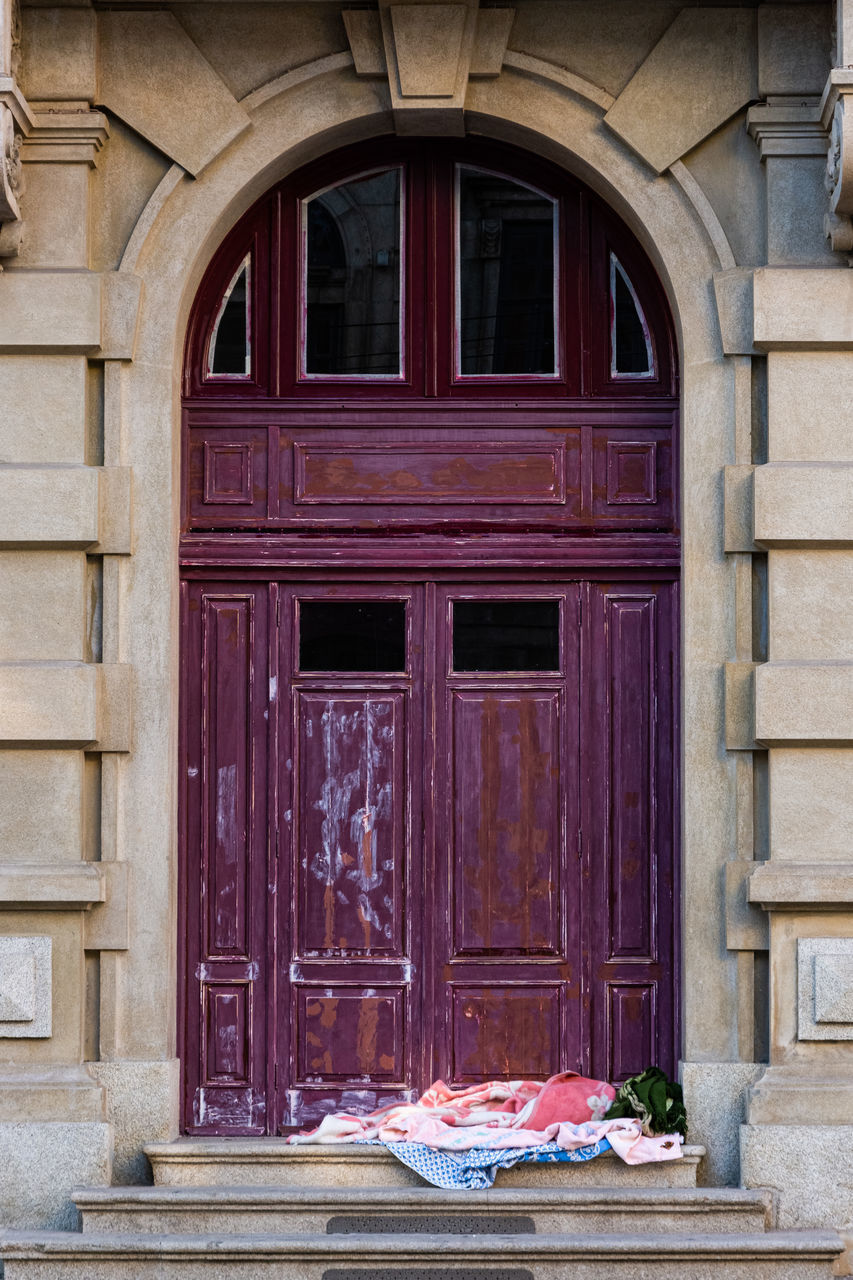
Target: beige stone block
x=57, y=217
x=40, y=1163
x=699, y=74
x=801, y=503
x=810, y=1166
x=25, y=987
x=793, y=48
x=106, y=925
x=250, y=44
x=44, y=611
x=49, y=1093
x=779, y=885
x=738, y=509
x=122, y=294
x=155, y=79
x=806, y=702
x=44, y=409
x=58, y=54
x=733, y=293
x=48, y=703
x=66, y=507
x=129, y=169
x=31, y=886
x=143, y=1100
x=587, y=40
x=811, y=804
x=810, y=605
x=50, y=310
x=746, y=925
x=715, y=1100
x=809, y=399
x=72, y=704
x=740, y=705
x=796, y=200
x=728, y=168
x=62, y=1046
x=797, y=307
x=40, y=813
x=825, y=989
x=53, y=505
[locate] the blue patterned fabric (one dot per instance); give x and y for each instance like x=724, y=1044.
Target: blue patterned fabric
x=476, y=1169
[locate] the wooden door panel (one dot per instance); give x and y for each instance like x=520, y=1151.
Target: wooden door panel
x=350, y=823
x=508, y=988
x=351, y=804
x=509, y=1030
x=226, y=826
x=506, y=821
x=629, y=824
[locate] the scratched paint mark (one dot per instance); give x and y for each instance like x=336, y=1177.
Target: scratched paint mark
x=354, y=800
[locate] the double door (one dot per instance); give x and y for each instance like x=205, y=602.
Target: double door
x=429, y=832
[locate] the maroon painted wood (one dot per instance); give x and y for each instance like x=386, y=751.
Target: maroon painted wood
x=392, y=876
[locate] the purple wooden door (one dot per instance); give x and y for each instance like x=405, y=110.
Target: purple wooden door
x=429, y=667
x=467, y=870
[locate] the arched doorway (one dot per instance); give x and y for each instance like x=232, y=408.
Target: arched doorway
x=429, y=670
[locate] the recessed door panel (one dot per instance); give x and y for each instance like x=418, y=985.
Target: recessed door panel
x=350, y=822
x=506, y=821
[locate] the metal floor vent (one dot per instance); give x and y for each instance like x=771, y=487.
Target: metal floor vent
x=428, y=1273
x=443, y=1224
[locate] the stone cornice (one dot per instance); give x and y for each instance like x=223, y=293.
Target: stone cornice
x=785, y=126
x=65, y=136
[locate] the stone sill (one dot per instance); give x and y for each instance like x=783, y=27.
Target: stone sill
x=36, y=886
x=791, y=886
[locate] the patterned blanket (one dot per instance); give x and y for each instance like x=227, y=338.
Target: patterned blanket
x=496, y=1124
x=475, y=1169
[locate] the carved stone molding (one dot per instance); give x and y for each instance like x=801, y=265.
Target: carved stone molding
x=428, y=52
x=10, y=184
x=837, y=120
x=786, y=127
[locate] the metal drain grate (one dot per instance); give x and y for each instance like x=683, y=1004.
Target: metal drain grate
x=443, y=1224
x=428, y=1273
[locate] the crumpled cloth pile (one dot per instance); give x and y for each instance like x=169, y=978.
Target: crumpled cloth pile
x=568, y=1113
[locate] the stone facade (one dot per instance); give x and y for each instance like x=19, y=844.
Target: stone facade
x=131, y=140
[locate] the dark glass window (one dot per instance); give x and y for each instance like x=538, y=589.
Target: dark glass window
x=506, y=276
x=353, y=268
x=630, y=344
x=352, y=635
x=230, y=348
x=506, y=635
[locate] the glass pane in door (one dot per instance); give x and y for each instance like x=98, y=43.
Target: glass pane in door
x=506, y=276
x=352, y=272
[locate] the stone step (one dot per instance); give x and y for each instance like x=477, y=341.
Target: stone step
x=68, y=1256
x=417, y=1210
x=251, y=1162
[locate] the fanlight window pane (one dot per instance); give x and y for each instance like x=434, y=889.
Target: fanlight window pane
x=506, y=276
x=630, y=344
x=229, y=352
x=353, y=261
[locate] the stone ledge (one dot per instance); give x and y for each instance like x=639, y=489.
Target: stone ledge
x=69, y=704
x=794, y=885
x=67, y=507
x=802, y=308
x=27, y=886
x=804, y=704
x=68, y=312
x=803, y=504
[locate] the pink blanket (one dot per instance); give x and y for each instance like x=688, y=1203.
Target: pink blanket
x=567, y=1109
